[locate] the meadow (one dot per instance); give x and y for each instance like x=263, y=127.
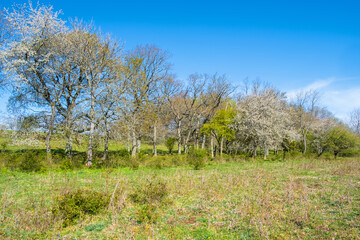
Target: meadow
x=226, y=199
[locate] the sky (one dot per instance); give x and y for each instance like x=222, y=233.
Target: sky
x=293, y=45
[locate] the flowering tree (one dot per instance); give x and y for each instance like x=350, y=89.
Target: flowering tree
x=263, y=119
x=27, y=56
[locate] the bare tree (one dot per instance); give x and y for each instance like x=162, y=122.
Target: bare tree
x=100, y=64
x=307, y=105
x=146, y=68
x=355, y=121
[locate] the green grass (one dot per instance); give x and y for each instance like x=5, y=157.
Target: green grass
x=303, y=199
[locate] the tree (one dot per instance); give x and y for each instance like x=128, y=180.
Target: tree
x=221, y=126
x=28, y=55
x=101, y=66
x=175, y=95
x=146, y=67
x=306, y=110
x=355, y=121
x=5, y=34
x=322, y=125
x=263, y=119
x=340, y=138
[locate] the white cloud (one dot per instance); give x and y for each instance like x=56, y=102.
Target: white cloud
x=317, y=85
x=342, y=102
x=338, y=98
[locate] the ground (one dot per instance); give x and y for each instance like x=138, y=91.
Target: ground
x=295, y=199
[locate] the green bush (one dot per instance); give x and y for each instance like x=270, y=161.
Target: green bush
x=72, y=206
x=170, y=143
x=148, y=198
x=295, y=154
x=66, y=164
x=4, y=145
x=349, y=153
x=197, y=158
x=327, y=156
x=31, y=161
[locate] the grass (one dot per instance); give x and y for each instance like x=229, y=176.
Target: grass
x=302, y=199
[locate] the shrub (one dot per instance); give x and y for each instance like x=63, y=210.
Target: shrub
x=148, y=198
x=197, y=158
x=66, y=164
x=71, y=206
x=30, y=161
x=295, y=154
x=4, y=145
x=170, y=143
x=134, y=163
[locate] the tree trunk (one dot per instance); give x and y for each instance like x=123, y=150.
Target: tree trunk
x=128, y=142
x=106, y=148
x=197, y=134
x=266, y=152
x=254, y=152
x=212, y=146
x=284, y=154
x=68, y=134
x=304, y=141
x=134, y=144
x=106, y=145
x=221, y=146
x=154, y=140
x=186, y=147
x=91, y=133
x=203, y=142
x=179, y=136
x=138, y=144
x=49, y=133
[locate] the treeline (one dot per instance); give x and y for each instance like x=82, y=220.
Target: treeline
x=80, y=81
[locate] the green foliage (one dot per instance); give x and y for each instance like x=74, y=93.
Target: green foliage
x=148, y=198
x=170, y=143
x=31, y=161
x=4, y=145
x=197, y=158
x=66, y=164
x=72, y=206
x=340, y=138
x=97, y=227
x=220, y=124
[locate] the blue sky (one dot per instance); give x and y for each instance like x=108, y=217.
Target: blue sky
x=293, y=45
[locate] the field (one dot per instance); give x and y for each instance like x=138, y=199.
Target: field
x=295, y=199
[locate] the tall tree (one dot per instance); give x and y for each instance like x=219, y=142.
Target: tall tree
x=101, y=65
x=307, y=107
x=146, y=67
x=28, y=55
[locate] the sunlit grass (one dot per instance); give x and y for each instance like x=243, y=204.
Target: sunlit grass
x=306, y=199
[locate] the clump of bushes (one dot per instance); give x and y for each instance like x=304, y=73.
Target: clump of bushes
x=66, y=164
x=197, y=158
x=149, y=198
x=32, y=162
x=72, y=206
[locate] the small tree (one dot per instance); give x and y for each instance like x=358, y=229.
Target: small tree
x=340, y=138
x=170, y=143
x=220, y=126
